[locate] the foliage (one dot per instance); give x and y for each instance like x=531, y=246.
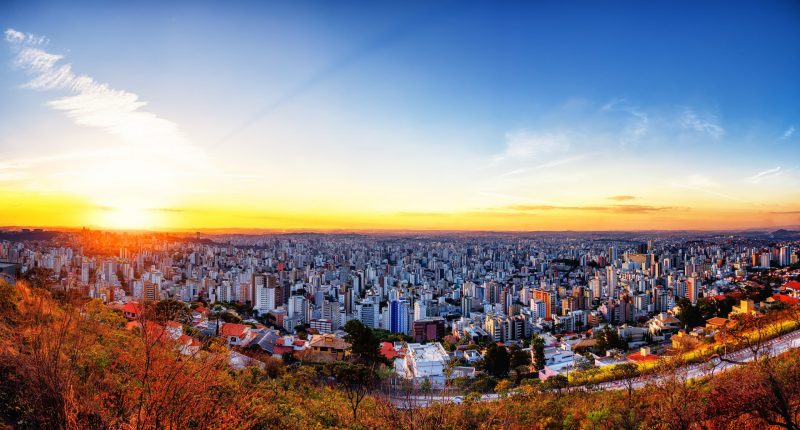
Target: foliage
x=171, y=310
x=497, y=361
x=365, y=347
x=608, y=338
x=39, y=277
x=690, y=315
x=537, y=346
x=8, y=300
x=74, y=367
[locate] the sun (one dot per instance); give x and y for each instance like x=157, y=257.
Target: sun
x=127, y=218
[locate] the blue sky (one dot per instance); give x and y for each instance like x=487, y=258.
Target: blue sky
x=456, y=96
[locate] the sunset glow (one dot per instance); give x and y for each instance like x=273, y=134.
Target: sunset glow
x=237, y=128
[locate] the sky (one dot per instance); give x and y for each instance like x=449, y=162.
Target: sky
x=518, y=116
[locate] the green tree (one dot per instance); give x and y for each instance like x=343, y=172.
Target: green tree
x=608, y=338
x=690, y=314
x=519, y=357
x=537, y=347
x=365, y=347
x=39, y=277
x=355, y=380
x=497, y=361
x=172, y=310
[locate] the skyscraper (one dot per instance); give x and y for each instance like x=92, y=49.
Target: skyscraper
x=399, y=316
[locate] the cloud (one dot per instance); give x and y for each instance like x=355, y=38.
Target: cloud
x=92, y=103
x=14, y=36
x=624, y=209
x=525, y=145
x=621, y=198
x=788, y=133
x=149, y=164
x=697, y=182
x=704, y=123
x=639, y=124
x=548, y=164
x=758, y=177
x=786, y=212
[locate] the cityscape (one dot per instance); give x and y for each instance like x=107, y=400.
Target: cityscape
x=424, y=215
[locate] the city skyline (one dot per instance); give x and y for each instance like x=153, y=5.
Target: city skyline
x=422, y=117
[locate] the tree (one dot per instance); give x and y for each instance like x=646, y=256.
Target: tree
x=365, y=347
x=497, y=361
x=608, y=338
x=768, y=389
x=555, y=383
x=355, y=380
x=537, y=349
x=8, y=301
x=96, y=310
x=690, y=315
x=171, y=310
x=627, y=373
x=519, y=357
x=39, y=277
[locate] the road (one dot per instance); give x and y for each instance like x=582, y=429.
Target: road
x=772, y=347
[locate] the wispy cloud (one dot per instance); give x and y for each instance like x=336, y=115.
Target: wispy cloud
x=625, y=209
x=621, y=198
x=635, y=129
x=702, y=122
x=15, y=36
x=146, y=166
x=788, y=133
x=525, y=145
x=93, y=103
x=703, y=184
x=758, y=177
x=547, y=165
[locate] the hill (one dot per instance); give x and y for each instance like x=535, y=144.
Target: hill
x=72, y=365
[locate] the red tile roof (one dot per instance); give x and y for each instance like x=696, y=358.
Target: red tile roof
x=789, y=300
x=638, y=357
x=233, y=329
x=793, y=285
x=132, y=307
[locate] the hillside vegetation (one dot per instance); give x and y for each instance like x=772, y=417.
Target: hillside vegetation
x=76, y=366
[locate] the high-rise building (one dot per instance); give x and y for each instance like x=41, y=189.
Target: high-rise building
x=399, y=321
x=466, y=306
x=692, y=288
x=265, y=299
x=611, y=280
x=546, y=296
x=420, y=310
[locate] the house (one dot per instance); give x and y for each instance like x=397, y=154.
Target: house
x=643, y=355
x=174, y=330
x=325, y=348
x=132, y=310
x=783, y=298
x=424, y=363
x=716, y=323
x=559, y=359
x=663, y=324
x=684, y=341
x=188, y=345
x=746, y=307
x=236, y=334
x=239, y=361
x=469, y=355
